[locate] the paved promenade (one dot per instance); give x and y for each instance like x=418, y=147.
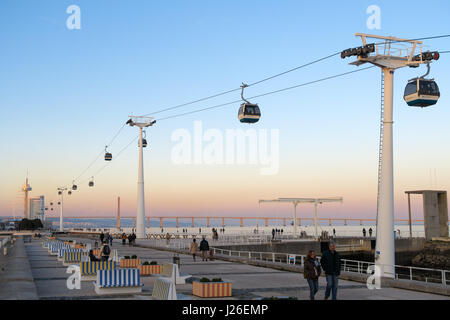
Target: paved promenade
x=249, y=282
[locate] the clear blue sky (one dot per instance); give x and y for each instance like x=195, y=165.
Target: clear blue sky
x=64, y=93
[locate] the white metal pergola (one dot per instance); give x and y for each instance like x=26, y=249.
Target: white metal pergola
x=296, y=201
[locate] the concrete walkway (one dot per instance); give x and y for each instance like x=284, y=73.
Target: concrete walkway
x=249, y=282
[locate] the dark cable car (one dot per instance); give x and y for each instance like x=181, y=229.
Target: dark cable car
x=248, y=112
x=51, y=203
x=59, y=203
x=421, y=92
x=91, y=183
x=144, y=141
x=74, y=186
x=108, y=155
x=69, y=192
x=59, y=193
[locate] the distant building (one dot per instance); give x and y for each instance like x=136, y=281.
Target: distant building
x=37, y=208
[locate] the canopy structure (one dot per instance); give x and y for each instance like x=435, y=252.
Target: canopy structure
x=296, y=201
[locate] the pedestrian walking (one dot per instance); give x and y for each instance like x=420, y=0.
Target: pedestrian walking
x=311, y=272
x=273, y=234
x=194, y=248
x=204, y=248
x=331, y=265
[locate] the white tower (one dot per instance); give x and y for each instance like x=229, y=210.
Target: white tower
x=390, y=54
x=140, y=122
x=26, y=210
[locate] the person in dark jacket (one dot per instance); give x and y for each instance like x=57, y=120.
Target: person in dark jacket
x=311, y=272
x=331, y=265
x=204, y=248
x=92, y=257
x=102, y=236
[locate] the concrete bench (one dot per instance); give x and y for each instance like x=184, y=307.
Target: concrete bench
x=73, y=257
x=171, y=272
x=118, y=281
x=164, y=290
x=89, y=269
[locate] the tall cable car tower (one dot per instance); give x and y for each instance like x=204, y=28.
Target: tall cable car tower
x=140, y=122
x=390, y=54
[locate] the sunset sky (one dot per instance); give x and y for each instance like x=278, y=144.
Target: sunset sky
x=64, y=94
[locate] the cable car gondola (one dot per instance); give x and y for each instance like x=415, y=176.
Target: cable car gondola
x=69, y=192
x=74, y=186
x=248, y=112
x=108, y=155
x=144, y=141
x=91, y=183
x=59, y=193
x=421, y=92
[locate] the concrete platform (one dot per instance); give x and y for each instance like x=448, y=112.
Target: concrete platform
x=46, y=279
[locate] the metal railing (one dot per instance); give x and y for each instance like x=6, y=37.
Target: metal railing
x=347, y=265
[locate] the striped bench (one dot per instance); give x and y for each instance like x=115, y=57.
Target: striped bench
x=164, y=290
x=118, y=281
x=73, y=257
x=89, y=269
x=172, y=273
x=62, y=251
x=54, y=248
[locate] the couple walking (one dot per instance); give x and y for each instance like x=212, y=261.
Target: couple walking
x=204, y=248
x=331, y=265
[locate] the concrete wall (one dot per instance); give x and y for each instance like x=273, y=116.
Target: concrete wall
x=435, y=214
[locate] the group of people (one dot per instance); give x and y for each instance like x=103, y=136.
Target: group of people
x=276, y=232
x=330, y=263
x=131, y=238
x=203, y=248
x=365, y=232
x=106, y=238
x=105, y=249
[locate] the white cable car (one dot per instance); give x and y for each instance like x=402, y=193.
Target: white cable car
x=421, y=92
x=248, y=112
x=108, y=156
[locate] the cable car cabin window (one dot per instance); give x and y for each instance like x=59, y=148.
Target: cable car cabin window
x=428, y=88
x=252, y=110
x=411, y=88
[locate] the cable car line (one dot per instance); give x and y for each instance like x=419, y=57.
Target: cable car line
x=263, y=94
x=104, y=166
x=237, y=89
